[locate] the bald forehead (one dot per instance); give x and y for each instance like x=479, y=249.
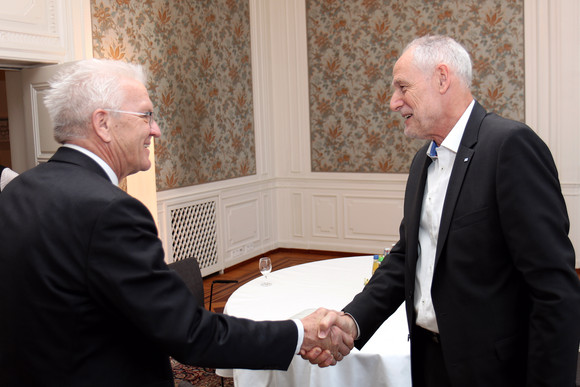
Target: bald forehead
x=136, y=93
x=402, y=67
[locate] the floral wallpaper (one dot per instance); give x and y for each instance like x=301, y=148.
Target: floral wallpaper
x=197, y=53
x=352, y=48
x=198, y=58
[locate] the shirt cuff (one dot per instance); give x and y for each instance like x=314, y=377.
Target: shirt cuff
x=355, y=323
x=300, y=328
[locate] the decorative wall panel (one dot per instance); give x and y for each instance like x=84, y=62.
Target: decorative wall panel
x=297, y=214
x=325, y=215
x=368, y=217
x=242, y=223
x=32, y=31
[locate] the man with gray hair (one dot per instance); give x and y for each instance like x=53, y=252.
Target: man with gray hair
x=484, y=262
x=86, y=298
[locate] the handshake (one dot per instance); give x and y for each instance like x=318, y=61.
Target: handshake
x=328, y=337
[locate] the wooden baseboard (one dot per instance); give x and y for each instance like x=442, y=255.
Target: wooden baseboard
x=324, y=253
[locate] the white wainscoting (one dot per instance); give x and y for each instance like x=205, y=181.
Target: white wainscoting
x=245, y=223
x=347, y=212
x=360, y=215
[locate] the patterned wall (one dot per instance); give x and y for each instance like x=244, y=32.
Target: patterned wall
x=198, y=57
x=352, y=47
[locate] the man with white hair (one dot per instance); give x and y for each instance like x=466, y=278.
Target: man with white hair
x=86, y=298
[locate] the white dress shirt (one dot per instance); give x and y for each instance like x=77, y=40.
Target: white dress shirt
x=6, y=176
x=108, y=170
x=438, y=174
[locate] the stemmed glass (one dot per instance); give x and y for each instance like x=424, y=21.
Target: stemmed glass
x=265, y=268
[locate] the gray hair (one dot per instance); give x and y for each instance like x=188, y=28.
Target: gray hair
x=429, y=51
x=80, y=89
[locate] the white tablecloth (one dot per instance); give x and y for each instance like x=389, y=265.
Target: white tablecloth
x=332, y=283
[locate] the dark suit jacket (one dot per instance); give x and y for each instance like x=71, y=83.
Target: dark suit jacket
x=505, y=293
x=87, y=300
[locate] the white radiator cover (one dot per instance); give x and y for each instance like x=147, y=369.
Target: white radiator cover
x=194, y=233
x=226, y=223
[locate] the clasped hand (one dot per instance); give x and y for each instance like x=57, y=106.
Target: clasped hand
x=328, y=337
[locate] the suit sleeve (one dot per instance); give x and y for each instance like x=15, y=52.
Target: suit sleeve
x=385, y=292
x=127, y=273
x=381, y=297
x=535, y=225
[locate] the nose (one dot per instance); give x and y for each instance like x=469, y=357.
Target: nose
x=155, y=129
x=396, y=102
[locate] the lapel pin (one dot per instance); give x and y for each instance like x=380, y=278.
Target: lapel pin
x=466, y=159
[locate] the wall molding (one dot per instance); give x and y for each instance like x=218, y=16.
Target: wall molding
x=360, y=215
x=45, y=31
x=552, y=54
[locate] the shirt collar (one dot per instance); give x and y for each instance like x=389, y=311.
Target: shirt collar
x=453, y=139
x=108, y=170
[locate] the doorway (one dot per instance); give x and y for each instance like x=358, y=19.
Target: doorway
x=17, y=135
x=5, y=155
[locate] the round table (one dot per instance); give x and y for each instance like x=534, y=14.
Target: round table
x=299, y=290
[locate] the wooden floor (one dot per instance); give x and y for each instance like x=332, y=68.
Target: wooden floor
x=248, y=270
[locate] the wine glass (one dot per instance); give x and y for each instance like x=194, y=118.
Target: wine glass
x=265, y=268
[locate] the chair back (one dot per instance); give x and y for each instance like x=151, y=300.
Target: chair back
x=189, y=271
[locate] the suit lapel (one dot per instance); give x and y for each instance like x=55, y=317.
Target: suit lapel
x=463, y=158
x=414, y=201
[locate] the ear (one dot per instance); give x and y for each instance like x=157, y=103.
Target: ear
x=442, y=74
x=101, y=125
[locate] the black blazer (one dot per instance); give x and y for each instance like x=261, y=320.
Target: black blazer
x=505, y=292
x=87, y=300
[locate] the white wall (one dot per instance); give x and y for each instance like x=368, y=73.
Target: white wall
x=39, y=33
x=44, y=31
x=285, y=205
x=32, y=34
x=552, y=46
